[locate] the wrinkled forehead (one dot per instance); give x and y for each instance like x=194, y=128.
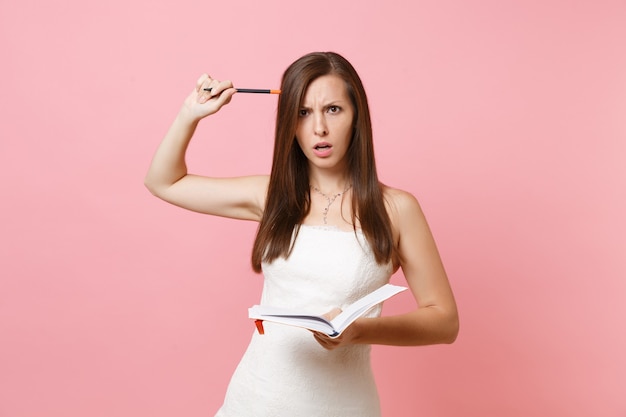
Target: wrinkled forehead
x=324, y=90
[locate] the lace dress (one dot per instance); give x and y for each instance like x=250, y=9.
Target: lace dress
x=285, y=372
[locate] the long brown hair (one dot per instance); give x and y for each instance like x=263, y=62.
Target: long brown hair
x=289, y=195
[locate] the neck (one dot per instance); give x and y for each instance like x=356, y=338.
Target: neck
x=330, y=185
x=329, y=179
x=338, y=190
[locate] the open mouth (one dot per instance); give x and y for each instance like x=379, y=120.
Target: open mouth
x=322, y=147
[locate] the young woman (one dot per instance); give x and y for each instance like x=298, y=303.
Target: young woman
x=329, y=232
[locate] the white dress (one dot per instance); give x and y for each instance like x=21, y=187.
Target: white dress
x=285, y=372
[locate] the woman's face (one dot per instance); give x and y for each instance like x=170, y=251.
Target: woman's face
x=325, y=122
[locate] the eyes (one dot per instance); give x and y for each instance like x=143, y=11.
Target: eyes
x=330, y=110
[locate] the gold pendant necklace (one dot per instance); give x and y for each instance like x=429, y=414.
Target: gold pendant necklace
x=329, y=199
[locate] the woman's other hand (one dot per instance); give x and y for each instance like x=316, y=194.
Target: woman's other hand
x=330, y=343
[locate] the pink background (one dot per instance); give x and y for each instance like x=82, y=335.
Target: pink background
x=506, y=119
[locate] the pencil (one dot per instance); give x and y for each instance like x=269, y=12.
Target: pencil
x=252, y=90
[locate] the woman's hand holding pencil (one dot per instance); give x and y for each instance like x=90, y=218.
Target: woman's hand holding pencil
x=208, y=88
x=252, y=90
x=210, y=95
x=201, y=103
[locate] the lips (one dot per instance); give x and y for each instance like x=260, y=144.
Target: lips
x=322, y=149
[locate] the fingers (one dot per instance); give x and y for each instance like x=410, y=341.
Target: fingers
x=209, y=88
x=201, y=81
x=323, y=339
x=332, y=314
x=327, y=342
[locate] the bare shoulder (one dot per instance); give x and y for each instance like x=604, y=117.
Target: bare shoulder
x=400, y=203
x=404, y=211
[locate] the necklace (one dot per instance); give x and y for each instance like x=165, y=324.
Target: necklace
x=330, y=199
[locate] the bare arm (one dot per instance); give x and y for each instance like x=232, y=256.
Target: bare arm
x=436, y=318
x=168, y=179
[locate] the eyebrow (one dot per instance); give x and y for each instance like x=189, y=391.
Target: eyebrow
x=338, y=102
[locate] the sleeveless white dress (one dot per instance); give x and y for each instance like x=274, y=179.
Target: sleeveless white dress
x=285, y=372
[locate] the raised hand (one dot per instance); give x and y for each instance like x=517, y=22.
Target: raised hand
x=201, y=103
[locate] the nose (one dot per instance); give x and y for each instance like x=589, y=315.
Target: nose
x=320, y=128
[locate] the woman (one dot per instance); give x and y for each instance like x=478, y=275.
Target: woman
x=329, y=232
